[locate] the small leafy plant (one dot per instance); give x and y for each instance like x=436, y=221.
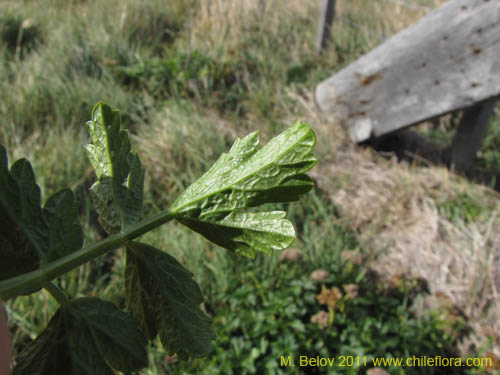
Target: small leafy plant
x=184, y=75
x=272, y=312
x=38, y=244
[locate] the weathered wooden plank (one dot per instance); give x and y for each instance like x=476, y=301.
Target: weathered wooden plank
x=469, y=135
x=326, y=15
x=448, y=60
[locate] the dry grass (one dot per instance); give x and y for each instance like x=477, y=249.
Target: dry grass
x=394, y=207
x=223, y=27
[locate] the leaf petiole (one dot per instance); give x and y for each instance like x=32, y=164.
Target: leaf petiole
x=57, y=293
x=29, y=282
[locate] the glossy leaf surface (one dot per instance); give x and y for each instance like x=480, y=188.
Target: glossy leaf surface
x=247, y=232
x=117, y=194
x=248, y=177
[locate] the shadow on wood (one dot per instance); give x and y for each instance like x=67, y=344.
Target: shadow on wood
x=469, y=136
x=447, y=61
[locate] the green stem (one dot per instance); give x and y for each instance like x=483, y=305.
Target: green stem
x=57, y=293
x=259, y=287
x=331, y=317
x=32, y=281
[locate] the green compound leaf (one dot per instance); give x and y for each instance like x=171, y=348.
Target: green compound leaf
x=118, y=192
x=164, y=298
x=30, y=235
x=248, y=177
x=247, y=232
x=86, y=336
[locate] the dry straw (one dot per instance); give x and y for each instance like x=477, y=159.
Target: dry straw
x=394, y=207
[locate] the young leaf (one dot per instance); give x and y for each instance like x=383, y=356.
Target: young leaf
x=248, y=177
x=117, y=194
x=247, y=232
x=30, y=235
x=164, y=298
x=86, y=336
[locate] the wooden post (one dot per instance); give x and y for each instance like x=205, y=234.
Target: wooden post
x=470, y=133
x=326, y=14
x=445, y=62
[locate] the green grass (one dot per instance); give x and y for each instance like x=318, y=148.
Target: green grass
x=489, y=156
x=263, y=308
x=463, y=207
x=188, y=79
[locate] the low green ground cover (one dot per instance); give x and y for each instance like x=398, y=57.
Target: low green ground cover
x=178, y=86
